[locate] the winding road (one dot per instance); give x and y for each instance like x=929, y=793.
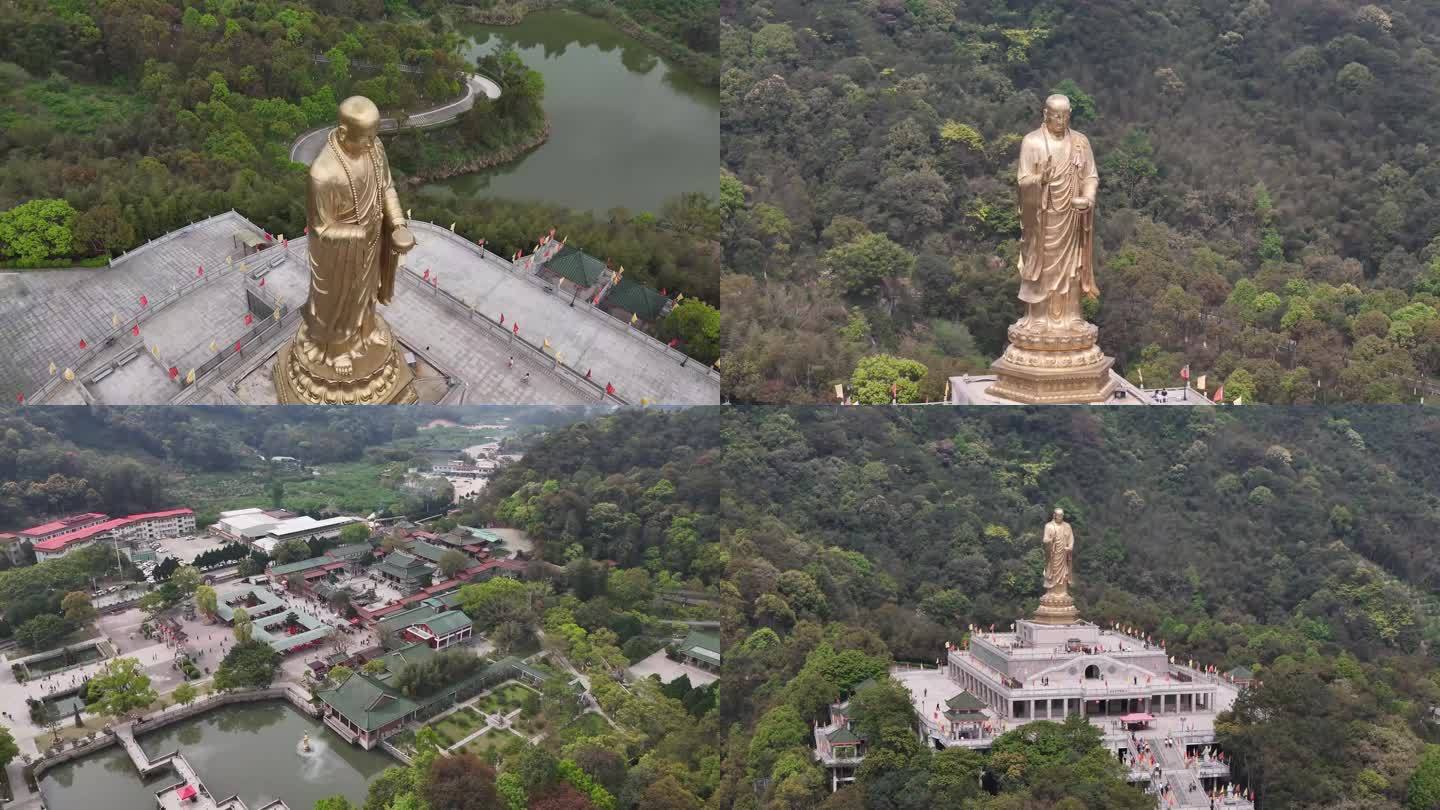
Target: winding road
x=308, y=145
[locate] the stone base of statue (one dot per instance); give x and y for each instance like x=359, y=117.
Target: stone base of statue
x=1057, y=609
x=1048, y=366
x=304, y=376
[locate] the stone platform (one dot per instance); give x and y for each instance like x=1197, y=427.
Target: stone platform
x=449, y=333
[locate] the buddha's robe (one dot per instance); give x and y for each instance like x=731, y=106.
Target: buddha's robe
x=1056, y=257
x=352, y=208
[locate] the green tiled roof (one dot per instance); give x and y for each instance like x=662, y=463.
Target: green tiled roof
x=427, y=551
x=702, y=645
x=635, y=297
x=443, y=624
x=268, y=601
x=297, y=567
x=349, y=551
x=404, y=566
x=367, y=702
x=440, y=623
x=843, y=736
x=965, y=702
x=576, y=265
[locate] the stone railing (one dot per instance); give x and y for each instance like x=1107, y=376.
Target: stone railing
x=591, y=311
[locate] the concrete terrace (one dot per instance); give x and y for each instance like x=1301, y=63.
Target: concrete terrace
x=45, y=313
x=453, y=327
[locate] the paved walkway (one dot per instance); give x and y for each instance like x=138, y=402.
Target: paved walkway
x=308, y=146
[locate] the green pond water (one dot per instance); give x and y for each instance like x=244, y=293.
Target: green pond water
x=627, y=128
x=250, y=749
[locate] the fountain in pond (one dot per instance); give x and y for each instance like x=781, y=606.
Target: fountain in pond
x=305, y=743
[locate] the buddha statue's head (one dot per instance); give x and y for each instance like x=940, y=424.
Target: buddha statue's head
x=1057, y=114
x=359, y=123
x=1058, y=515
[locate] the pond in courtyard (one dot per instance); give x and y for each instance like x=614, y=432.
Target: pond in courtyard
x=250, y=749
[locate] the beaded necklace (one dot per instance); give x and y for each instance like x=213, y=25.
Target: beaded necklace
x=334, y=140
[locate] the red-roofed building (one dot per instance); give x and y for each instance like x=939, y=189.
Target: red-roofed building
x=129, y=529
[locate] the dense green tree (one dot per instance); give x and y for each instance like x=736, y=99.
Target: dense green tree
x=120, y=688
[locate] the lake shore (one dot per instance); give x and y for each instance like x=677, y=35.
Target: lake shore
x=479, y=163
x=701, y=67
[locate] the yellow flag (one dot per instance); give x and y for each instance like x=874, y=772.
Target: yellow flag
x=242, y=267
x=679, y=298
x=407, y=213
x=1201, y=383
x=947, y=391
x=547, y=343
x=53, y=369
x=452, y=227
x=1237, y=400
x=228, y=261
x=840, y=391
x=155, y=350
x=277, y=313
x=634, y=318
x=213, y=347
x=114, y=320
x=644, y=402
x=562, y=282
x=69, y=375
x=559, y=357
x=190, y=378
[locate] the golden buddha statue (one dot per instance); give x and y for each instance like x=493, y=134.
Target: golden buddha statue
x=343, y=351
x=1053, y=356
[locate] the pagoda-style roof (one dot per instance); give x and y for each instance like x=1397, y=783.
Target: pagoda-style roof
x=404, y=566
x=1241, y=673
x=426, y=551
x=843, y=736
x=576, y=265
x=635, y=297
x=965, y=702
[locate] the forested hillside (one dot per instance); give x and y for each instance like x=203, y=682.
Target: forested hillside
x=1266, y=211
x=1295, y=542
x=121, y=460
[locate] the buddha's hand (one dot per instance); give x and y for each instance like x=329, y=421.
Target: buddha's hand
x=401, y=239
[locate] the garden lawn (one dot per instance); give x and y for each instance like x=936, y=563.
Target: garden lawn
x=586, y=725
x=455, y=727
x=504, y=700
x=493, y=744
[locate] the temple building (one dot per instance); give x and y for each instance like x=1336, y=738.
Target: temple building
x=429, y=624
x=366, y=708
x=1155, y=713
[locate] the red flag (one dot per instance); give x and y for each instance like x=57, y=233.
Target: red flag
x=174, y=372
x=262, y=282
x=135, y=330
x=609, y=390
x=268, y=237
x=20, y=397
x=662, y=291
x=517, y=327
x=144, y=301
x=427, y=274
x=200, y=270
x=307, y=230
x=502, y=319
x=1185, y=372
x=673, y=341
x=1220, y=393
x=82, y=343
x=249, y=319
x=587, y=373
x=237, y=345
x=285, y=243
